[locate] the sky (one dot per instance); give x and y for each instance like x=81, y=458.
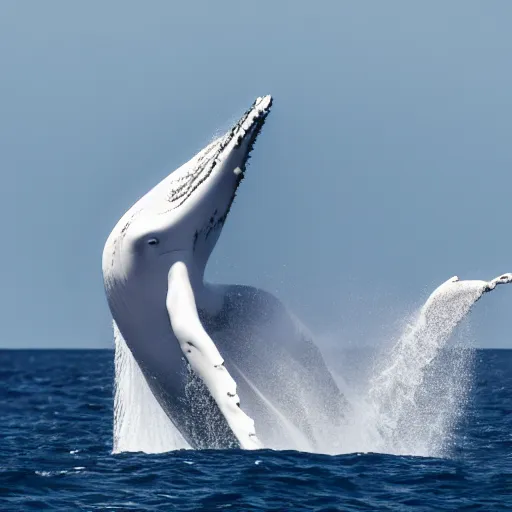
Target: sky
x=382, y=171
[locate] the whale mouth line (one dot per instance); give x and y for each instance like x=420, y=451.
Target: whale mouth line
x=248, y=127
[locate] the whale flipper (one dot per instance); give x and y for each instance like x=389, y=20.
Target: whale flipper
x=503, y=279
x=450, y=302
x=204, y=357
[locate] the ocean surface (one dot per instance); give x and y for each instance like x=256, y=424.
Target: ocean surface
x=56, y=442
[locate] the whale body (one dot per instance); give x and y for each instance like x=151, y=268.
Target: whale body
x=228, y=364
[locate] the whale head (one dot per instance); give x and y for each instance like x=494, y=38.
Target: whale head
x=185, y=212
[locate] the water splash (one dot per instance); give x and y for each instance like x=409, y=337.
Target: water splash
x=140, y=424
x=418, y=392
x=411, y=405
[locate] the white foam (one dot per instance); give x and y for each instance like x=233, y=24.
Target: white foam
x=418, y=391
x=140, y=424
x=410, y=406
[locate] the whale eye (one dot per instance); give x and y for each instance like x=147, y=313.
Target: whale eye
x=153, y=241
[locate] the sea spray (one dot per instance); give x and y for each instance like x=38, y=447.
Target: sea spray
x=418, y=391
x=411, y=405
x=140, y=424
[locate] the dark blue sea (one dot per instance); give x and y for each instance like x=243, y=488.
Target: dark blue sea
x=56, y=441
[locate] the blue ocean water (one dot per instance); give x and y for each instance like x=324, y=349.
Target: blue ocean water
x=56, y=441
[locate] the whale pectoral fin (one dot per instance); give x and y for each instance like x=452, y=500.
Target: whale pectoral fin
x=203, y=356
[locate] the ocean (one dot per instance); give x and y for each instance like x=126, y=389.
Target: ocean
x=56, y=445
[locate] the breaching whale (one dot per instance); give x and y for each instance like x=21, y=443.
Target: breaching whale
x=229, y=364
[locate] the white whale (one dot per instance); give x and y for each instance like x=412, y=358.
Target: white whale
x=229, y=365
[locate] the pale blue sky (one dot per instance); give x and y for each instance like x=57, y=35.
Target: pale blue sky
x=383, y=170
